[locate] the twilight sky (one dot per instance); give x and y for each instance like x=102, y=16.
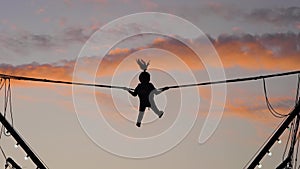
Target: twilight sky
x=44, y=38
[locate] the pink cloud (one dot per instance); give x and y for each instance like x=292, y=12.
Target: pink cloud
x=40, y=11
x=95, y=1
x=62, y=22
x=149, y=4
x=297, y=25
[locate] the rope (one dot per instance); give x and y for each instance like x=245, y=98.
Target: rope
x=297, y=92
x=7, y=103
x=23, y=78
x=2, y=151
x=294, y=140
x=288, y=140
x=297, y=153
x=270, y=107
x=234, y=80
x=4, y=76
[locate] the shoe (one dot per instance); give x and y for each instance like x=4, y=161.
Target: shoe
x=161, y=114
x=138, y=124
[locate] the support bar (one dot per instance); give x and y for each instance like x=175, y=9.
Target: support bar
x=275, y=137
x=21, y=142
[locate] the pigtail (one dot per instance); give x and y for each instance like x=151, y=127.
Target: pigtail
x=143, y=65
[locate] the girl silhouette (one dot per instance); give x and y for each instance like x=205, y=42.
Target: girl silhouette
x=146, y=91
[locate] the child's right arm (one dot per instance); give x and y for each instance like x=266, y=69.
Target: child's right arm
x=134, y=92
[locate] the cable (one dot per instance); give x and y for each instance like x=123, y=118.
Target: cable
x=287, y=142
x=10, y=104
x=235, y=80
x=1, y=83
x=4, y=108
x=7, y=103
x=297, y=153
x=5, y=76
x=270, y=107
x=297, y=92
x=294, y=142
x=3, y=153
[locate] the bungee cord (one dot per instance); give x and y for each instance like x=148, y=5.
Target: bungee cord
x=235, y=80
x=7, y=108
x=23, y=78
x=269, y=106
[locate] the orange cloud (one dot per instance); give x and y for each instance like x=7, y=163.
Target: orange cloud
x=278, y=52
x=272, y=52
x=45, y=71
x=119, y=51
x=269, y=52
x=256, y=109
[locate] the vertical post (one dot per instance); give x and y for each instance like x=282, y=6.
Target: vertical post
x=275, y=137
x=21, y=142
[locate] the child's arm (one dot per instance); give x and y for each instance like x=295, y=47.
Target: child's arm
x=133, y=93
x=159, y=91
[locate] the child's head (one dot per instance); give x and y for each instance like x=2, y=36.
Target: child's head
x=144, y=77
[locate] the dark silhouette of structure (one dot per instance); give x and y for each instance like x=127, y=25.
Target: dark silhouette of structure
x=146, y=91
x=275, y=137
x=21, y=142
x=11, y=163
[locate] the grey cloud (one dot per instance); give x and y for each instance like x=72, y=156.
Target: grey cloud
x=24, y=42
x=279, y=16
x=275, y=16
x=75, y=35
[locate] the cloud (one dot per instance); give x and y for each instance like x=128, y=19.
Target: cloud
x=40, y=11
x=278, y=16
x=95, y=1
x=257, y=109
x=227, y=11
x=274, y=16
x=149, y=4
x=75, y=35
x=24, y=42
x=59, y=71
x=275, y=52
x=278, y=51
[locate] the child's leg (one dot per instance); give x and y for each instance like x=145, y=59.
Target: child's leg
x=155, y=109
x=140, y=117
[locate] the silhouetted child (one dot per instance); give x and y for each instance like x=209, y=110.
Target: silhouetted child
x=145, y=91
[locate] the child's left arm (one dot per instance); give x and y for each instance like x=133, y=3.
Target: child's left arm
x=159, y=91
